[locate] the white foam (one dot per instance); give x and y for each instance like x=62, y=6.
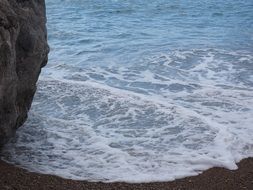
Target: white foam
x=166, y=118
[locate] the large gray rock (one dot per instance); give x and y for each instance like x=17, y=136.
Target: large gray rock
x=23, y=52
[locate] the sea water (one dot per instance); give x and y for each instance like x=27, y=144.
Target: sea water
x=141, y=90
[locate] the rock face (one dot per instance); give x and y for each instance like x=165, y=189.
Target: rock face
x=23, y=52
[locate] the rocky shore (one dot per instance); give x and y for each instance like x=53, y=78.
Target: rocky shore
x=14, y=178
x=23, y=52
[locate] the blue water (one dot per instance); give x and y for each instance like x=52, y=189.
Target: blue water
x=141, y=90
x=91, y=32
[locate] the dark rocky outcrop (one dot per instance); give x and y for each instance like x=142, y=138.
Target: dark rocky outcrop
x=23, y=52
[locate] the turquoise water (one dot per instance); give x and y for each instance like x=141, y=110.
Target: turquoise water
x=141, y=90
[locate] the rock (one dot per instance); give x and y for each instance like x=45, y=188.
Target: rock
x=23, y=52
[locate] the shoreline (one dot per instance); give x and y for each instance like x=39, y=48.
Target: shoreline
x=12, y=177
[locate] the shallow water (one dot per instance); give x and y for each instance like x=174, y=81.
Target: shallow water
x=141, y=91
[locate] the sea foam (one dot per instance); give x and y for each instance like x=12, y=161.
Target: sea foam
x=174, y=118
x=141, y=91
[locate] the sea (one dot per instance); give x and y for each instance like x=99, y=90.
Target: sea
x=141, y=91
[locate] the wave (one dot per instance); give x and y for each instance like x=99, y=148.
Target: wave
x=172, y=115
